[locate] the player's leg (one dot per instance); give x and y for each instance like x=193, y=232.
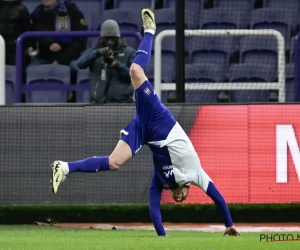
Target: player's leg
x=120, y=155
x=143, y=53
x=130, y=142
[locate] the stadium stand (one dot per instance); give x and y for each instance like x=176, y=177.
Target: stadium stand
x=192, y=10
x=273, y=18
x=251, y=72
x=165, y=19
x=91, y=10
x=83, y=78
x=222, y=18
x=246, y=6
x=132, y=4
x=213, y=50
x=10, y=80
x=289, y=82
x=204, y=14
x=167, y=76
x=292, y=49
x=203, y=73
x=259, y=49
x=45, y=76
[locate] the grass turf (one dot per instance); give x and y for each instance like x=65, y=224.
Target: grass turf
x=47, y=237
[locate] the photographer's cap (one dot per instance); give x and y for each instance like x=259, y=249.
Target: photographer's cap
x=110, y=28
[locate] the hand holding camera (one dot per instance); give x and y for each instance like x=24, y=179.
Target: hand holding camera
x=109, y=58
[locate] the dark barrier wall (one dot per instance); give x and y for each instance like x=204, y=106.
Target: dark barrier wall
x=33, y=137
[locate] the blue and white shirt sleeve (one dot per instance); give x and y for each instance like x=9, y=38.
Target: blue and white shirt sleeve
x=155, y=192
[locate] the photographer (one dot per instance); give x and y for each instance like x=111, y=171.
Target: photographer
x=109, y=64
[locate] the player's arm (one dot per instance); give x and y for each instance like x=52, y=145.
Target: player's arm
x=155, y=192
x=221, y=205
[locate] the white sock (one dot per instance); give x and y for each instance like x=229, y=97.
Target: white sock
x=64, y=167
x=150, y=31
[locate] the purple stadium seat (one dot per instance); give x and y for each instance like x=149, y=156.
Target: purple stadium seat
x=47, y=75
x=251, y=72
x=203, y=73
x=165, y=19
x=289, y=83
x=223, y=18
x=289, y=4
x=292, y=49
x=259, y=49
x=10, y=81
x=246, y=5
x=167, y=76
x=132, y=4
x=273, y=18
x=215, y=50
x=83, y=78
x=192, y=10
x=91, y=9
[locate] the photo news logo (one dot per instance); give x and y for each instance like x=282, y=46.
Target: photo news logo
x=278, y=237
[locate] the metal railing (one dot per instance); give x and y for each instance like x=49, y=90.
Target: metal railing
x=280, y=85
x=20, y=87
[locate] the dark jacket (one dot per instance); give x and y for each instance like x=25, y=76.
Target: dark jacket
x=14, y=20
x=44, y=20
x=116, y=86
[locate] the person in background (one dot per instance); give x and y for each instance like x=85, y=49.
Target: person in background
x=109, y=63
x=61, y=16
x=14, y=20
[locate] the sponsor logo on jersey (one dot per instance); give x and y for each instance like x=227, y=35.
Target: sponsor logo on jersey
x=147, y=91
x=167, y=167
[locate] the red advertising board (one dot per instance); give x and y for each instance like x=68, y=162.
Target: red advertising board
x=251, y=152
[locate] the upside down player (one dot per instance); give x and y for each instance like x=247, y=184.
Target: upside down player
x=154, y=126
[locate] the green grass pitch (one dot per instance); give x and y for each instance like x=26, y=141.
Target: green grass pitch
x=49, y=237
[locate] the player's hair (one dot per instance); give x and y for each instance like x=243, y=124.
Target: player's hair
x=183, y=197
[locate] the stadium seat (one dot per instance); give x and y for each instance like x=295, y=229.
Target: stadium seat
x=251, y=72
x=83, y=78
x=192, y=10
x=289, y=83
x=212, y=49
x=292, y=49
x=236, y=4
x=167, y=76
x=245, y=5
x=223, y=18
x=203, y=73
x=167, y=73
x=165, y=19
x=132, y=4
x=10, y=81
x=273, y=18
x=47, y=75
x=128, y=20
x=289, y=4
x=91, y=10
x=259, y=49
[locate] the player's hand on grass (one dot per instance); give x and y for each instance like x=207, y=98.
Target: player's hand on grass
x=231, y=231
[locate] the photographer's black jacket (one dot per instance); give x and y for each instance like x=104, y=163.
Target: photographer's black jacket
x=14, y=20
x=44, y=20
x=117, y=87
